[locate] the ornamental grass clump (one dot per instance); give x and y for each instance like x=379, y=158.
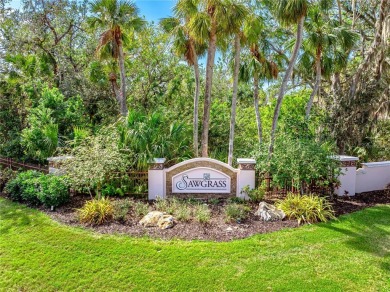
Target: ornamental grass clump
x=162, y=205
x=202, y=214
x=182, y=212
x=306, y=208
x=121, y=209
x=96, y=212
x=236, y=212
x=140, y=209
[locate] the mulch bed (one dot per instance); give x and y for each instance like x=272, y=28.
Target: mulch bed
x=217, y=229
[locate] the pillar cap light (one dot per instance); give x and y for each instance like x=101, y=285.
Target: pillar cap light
x=345, y=158
x=246, y=161
x=158, y=160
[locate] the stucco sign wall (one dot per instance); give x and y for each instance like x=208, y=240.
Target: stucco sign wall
x=201, y=180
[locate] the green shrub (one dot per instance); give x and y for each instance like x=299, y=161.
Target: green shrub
x=236, y=212
x=13, y=190
x=306, y=208
x=96, y=162
x=121, y=208
x=25, y=187
x=202, y=213
x=111, y=190
x=236, y=200
x=140, y=209
x=256, y=195
x=169, y=140
x=53, y=190
x=298, y=160
x=96, y=211
x=214, y=201
x=6, y=175
x=35, y=188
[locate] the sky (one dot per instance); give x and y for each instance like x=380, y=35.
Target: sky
x=153, y=10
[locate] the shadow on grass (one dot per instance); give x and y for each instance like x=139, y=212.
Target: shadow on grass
x=11, y=217
x=368, y=231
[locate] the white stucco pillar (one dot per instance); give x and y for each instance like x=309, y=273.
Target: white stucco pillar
x=156, y=179
x=246, y=175
x=347, y=177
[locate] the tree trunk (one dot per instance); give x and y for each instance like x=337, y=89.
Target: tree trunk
x=372, y=52
x=340, y=15
x=209, y=81
x=196, y=104
x=116, y=91
x=336, y=84
x=123, y=101
x=283, y=87
x=316, y=85
x=237, y=49
x=256, y=104
x=114, y=86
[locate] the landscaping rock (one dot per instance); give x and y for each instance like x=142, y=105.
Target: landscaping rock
x=151, y=219
x=157, y=218
x=268, y=212
x=165, y=222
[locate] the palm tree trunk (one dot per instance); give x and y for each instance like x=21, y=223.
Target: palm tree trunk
x=256, y=104
x=209, y=81
x=114, y=86
x=316, y=85
x=196, y=104
x=283, y=87
x=237, y=49
x=116, y=91
x=123, y=101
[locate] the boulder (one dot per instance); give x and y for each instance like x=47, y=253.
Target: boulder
x=268, y=212
x=151, y=219
x=165, y=222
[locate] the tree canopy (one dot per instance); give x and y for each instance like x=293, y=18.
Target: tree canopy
x=264, y=72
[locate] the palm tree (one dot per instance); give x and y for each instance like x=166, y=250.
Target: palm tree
x=186, y=46
x=206, y=25
x=319, y=39
x=327, y=37
x=237, y=14
x=119, y=19
x=288, y=12
x=259, y=64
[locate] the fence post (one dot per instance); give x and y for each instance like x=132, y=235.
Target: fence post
x=347, y=177
x=246, y=175
x=156, y=179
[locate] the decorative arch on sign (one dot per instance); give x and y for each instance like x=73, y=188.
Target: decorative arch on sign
x=201, y=163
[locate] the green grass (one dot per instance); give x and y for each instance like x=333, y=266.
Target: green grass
x=38, y=254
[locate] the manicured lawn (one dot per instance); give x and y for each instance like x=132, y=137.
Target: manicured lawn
x=38, y=254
